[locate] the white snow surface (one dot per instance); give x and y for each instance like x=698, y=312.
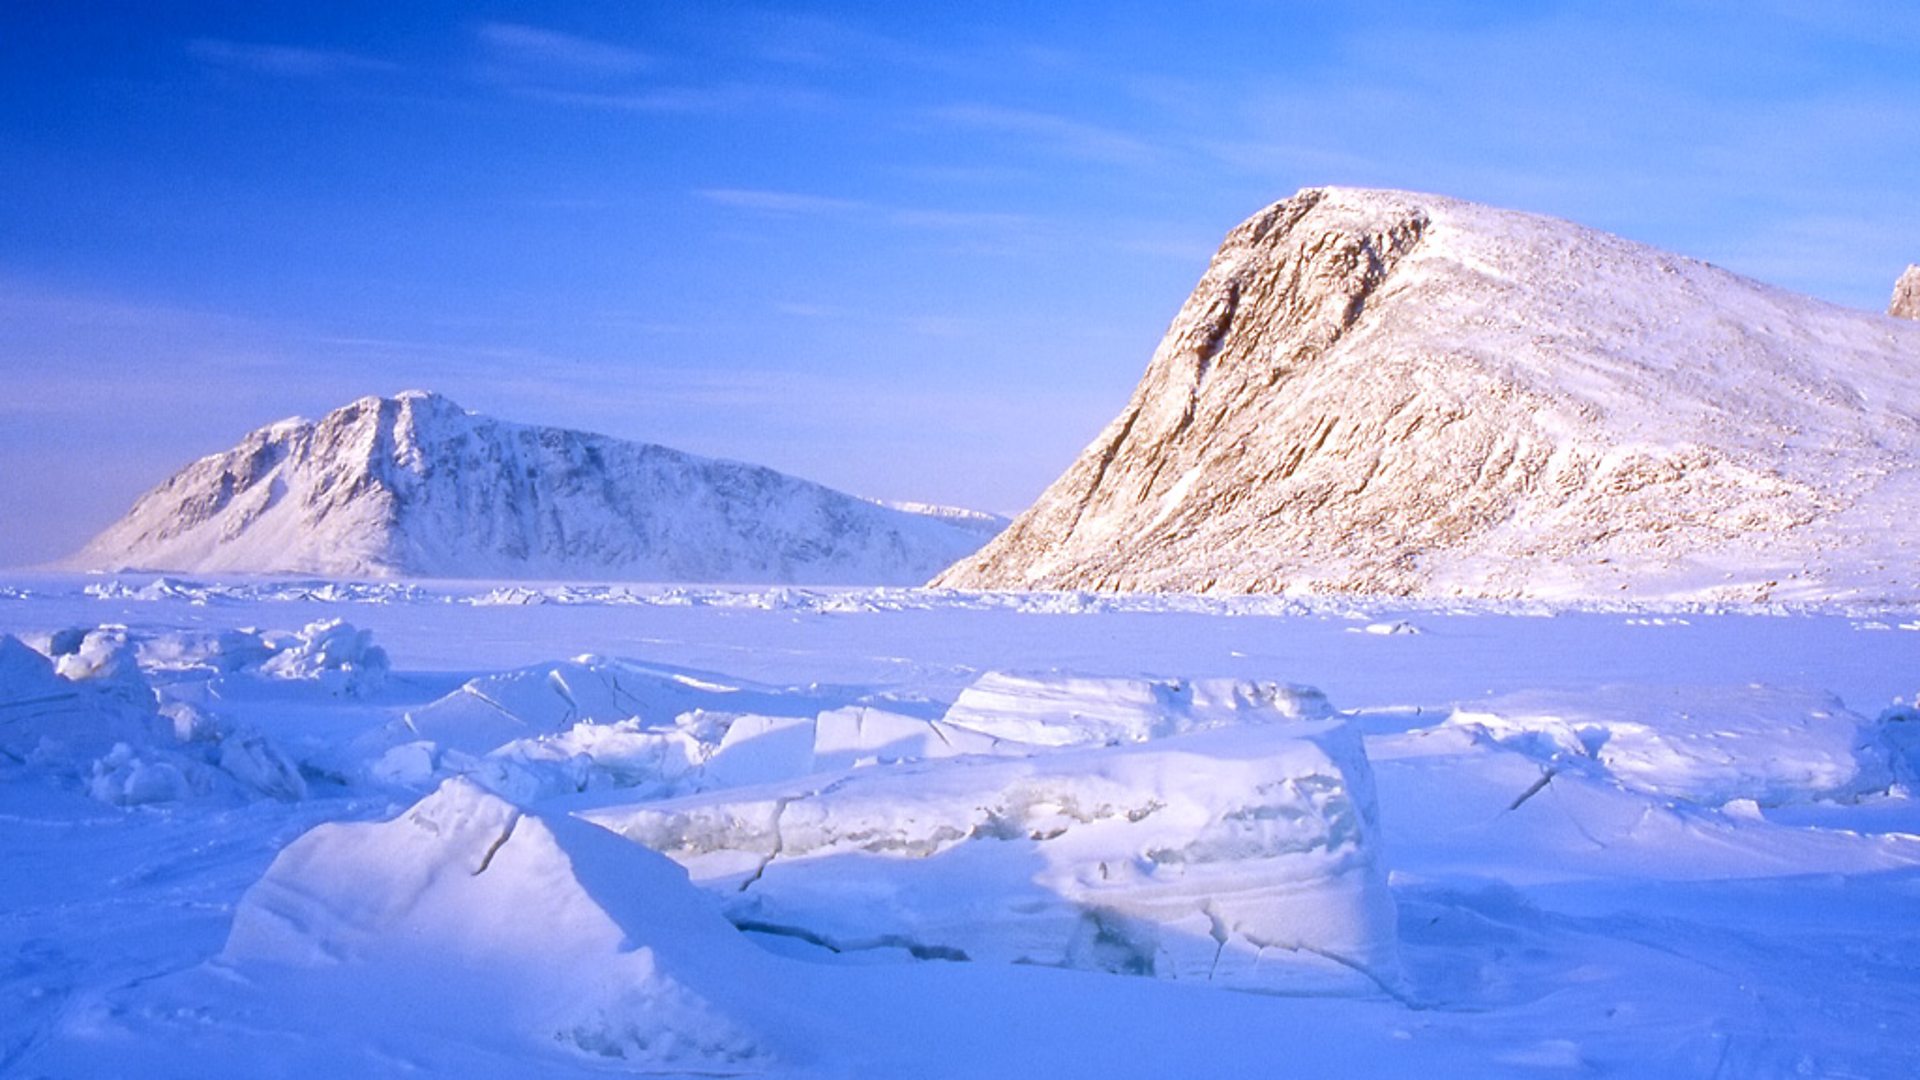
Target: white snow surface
x=1066, y=710
x=562, y=937
x=416, y=486
x=1706, y=745
x=268, y=828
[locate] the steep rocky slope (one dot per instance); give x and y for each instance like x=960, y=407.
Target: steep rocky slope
x=1384, y=392
x=416, y=486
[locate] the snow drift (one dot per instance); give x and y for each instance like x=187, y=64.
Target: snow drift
x=416, y=486
x=553, y=931
x=1384, y=392
x=1703, y=745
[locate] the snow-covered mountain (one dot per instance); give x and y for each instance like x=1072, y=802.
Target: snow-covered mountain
x=1906, y=295
x=1385, y=392
x=416, y=486
x=979, y=522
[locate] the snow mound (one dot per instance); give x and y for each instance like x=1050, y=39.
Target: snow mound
x=1244, y=856
x=216, y=651
x=1708, y=746
x=546, y=699
x=1065, y=710
x=562, y=935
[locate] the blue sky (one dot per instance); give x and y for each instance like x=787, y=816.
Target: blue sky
x=913, y=251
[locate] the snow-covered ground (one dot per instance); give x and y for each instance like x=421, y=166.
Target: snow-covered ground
x=301, y=827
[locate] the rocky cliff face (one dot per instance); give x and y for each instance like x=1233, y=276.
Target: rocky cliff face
x=1383, y=392
x=416, y=486
x=1906, y=295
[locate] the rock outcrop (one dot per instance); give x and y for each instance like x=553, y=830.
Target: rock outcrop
x=1906, y=295
x=1391, y=393
x=416, y=486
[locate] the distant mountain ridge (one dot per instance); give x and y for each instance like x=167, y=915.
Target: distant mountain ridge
x=415, y=486
x=1393, y=393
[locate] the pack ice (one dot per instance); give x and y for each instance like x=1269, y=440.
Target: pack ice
x=1196, y=831
x=86, y=710
x=1607, y=842
x=1215, y=830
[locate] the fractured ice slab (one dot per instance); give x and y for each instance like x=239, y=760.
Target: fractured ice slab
x=1069, y=710
x=1702, y=745
x=594, y=723
x=1245, y=856
x=860, y=735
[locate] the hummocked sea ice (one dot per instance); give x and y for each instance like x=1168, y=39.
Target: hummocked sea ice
x=1245, y=857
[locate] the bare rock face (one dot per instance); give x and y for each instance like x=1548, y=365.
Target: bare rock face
x=416, y=486
x=1390, y=393
x=1906, y=295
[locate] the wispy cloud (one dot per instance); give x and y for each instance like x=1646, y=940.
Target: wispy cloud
x=289, y=61
x=784, y=203
x=808, y=311
x=1799, y=252
x=960, y=219
x=1280, y=158
x=678, y=99
x=1065, y=134
x=797, y=204
x=917, y=325
x=974, y=232
x=539, y=47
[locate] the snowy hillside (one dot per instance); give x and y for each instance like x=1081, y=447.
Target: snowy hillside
x=1383, y=392
x=979, y=522
x=416, y=486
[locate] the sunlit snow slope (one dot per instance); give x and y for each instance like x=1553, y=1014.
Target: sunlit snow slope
x=1384, y=392
x=416, y=486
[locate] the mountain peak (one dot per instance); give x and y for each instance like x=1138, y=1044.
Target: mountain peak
x=1388, y=392
x=413, y=485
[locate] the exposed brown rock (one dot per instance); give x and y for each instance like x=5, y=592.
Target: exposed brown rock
x=1380, y=392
